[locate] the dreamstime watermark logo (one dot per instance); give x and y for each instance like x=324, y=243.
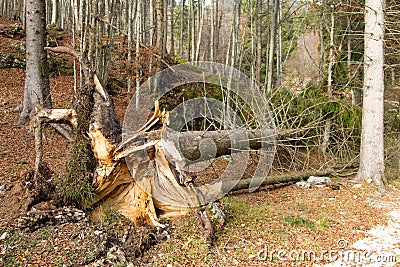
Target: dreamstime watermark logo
x=238, y=93
x=341, y=254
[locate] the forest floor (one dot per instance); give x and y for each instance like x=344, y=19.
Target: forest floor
x=280, y=225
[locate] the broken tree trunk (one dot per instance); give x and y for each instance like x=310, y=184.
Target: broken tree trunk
x=45, y=115
x=144, y=177
x=127, y=181
x=279, y=179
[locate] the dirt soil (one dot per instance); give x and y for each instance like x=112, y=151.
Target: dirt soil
x=275, y=218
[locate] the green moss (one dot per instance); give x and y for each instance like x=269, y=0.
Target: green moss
x=59, y=67
x=111, y=214
x=298, y=221
x=75, y=188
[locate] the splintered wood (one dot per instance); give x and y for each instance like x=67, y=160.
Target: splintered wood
x=137, y=179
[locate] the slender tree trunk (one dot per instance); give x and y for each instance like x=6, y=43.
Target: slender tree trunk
x=191, y=29
x=137, y=58
x=76, y=15
x=241, y=47
x=253, y=34
x=82, y=35
x=349, y=55
x=218, y=21
x=200, y=16
x=165, y=28
x=54, y=12
x=212, y=31
x=327, y=128
x=321, y=42
x=37, y=88
x=172, y=28
x=130, y=19
x=181, y=26
x=331, y=55
x=272, y=44
x=16, y=9
x=258, y=17
x=231, y=52
x=152, y=31
x=372, y=163
x=159, y=5
x=279, y=67
x=123, y=19
x=151, y=21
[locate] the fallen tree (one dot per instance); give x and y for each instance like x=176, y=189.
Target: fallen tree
x=145, y=176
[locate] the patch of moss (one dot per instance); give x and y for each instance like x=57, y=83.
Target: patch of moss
x=111, y=214
x=298, y=221
x=75, y=188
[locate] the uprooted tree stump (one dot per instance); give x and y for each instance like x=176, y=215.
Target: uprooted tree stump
x=143, y=176
x=131, y=189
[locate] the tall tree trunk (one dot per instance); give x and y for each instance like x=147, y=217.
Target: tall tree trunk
x=372, y=163
x=130, y=28
x=165, y=28
x=19, y=10
x=160, y=25
x=37, y=88
x=151, y=22
x=327, y=128
x=321, y=43
x=253, y=34
x=232, y=50
x=54, y=12
x=258, y=17
x=331, y=55
x=279, y=66
x=212, y=30
x=191, y=29
x=200, y=20
x=218, y=21
x=76, y=16
x=172, y=28
x=137, y=58
x=181, y=26
x=272, y=43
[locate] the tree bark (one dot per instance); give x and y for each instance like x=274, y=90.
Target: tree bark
x=54, y=12
x=279, y=179
x=328, y=126
x=372, y=145
x=200, y=20
x=212, y=30
x=181, y=26
x=272, y=44
x=258, y=17
x=160, y=42
x=130, y=33
x=37, y=87
x=201, y=146
x=172, y=28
